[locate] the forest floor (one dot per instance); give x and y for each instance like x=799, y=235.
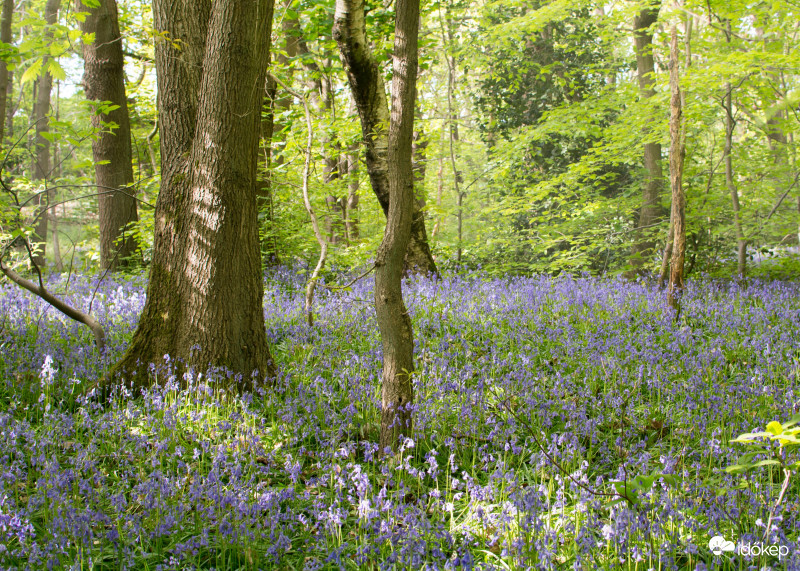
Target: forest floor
x=560, y=423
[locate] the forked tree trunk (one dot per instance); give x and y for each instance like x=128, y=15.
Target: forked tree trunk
x=367, y=85
x=205, y=294
x=41, y=170
x=677, y=152
x=397, y=336
x=651, y=211
x=104, y=80
x=6, y=38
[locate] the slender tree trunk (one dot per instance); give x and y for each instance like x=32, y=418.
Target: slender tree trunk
x=320, y=88
x=104, y=80
x=452, y=120
x=666, y=258
x=419, y=147
x=352, y=194
x=741, y=243
x=730, y=125
x=57, y=261
x=5, y=78
x=10, y=109
x=41, y=171
x=397, y=336
x=677, y=152
x=651, y=211
x=150, y=150
x=205, y=293
x=439, y=194
x=366, y=83
x=264, y=197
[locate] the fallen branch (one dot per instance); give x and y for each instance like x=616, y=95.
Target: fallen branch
x=63, y=307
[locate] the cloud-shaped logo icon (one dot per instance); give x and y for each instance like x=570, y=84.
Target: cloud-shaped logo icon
x=718, y=544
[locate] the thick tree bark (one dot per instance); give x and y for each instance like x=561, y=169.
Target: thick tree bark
x=677, y=152
x=205, y=294
x=41, y=170
x=397, y=336
x=6, y=38
x=367, y=85
x=104, y=80
x=651, y=211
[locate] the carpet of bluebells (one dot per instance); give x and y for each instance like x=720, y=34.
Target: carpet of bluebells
x=560, y=423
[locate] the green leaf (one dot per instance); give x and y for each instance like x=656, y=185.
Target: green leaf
x=32, y=72
x=56, y=70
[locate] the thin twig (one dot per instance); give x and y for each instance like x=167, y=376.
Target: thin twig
x=351, y=282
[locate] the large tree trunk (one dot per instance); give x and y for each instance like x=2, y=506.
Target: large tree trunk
x=651, y=211
x=205, y=294
x=41, y=170
x=677, y=152
x=6, y=38
x=104, y=80
x=367, y=85
x=397, y=336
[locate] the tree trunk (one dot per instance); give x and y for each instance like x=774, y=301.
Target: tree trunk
x=419, y=148
x=205, y=294
x=397, y=336
x=651, y=211
x=351, y=220
x=41, y=171
x=366, y=83
x=666, y=257
x=320, y=88
x=730, y=124
x=677, y=152
x=741, y=243
x=264, y=197
x=6, y=38
x=452, y=120
x=104, y=80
